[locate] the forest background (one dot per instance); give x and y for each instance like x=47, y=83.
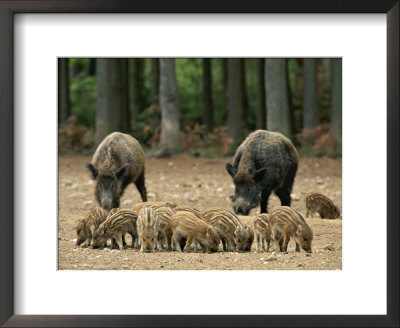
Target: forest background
x=203, y=106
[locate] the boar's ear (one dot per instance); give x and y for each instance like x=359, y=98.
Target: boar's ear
x=231, y=170
x=299, y=230
x=93, y=169
x=121, y=171
x=259, y=174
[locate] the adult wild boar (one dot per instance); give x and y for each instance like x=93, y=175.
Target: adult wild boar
x=264, y=162
x=117, y=162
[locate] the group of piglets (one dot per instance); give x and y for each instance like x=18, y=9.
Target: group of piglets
x=164, y=225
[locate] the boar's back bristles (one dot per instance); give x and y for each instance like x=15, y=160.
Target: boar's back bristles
x=262, y=228
x=88, y=225
x=120, y=217
x=192, y=210
x=187, y=228
x=287, y=222
x=323, y=205
x=136, y=208
x=115, y=227
x=208, y=213
x=226, y=224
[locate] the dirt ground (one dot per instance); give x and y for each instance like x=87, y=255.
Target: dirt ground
x=201, y=183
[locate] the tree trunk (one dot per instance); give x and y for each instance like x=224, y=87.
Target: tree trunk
x=155, y=81
x=261, y=109
x=208, y=114
x=310, y=101
x=64, y=108
x=278, y=116
x=234, y=103
x=125, y=125
x=170, y=107
x=290, y=102
x=111, y=97
x=336, y=102
x=243, y=94
x=224, y=62
x=135, y=86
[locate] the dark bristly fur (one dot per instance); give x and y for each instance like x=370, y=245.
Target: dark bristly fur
x=286, y=223
x=117, y=162
x=265, y=162
x=115, y=227
x=321, y=204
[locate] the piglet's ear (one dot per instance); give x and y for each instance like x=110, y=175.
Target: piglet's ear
x=93, y=169
x=209, y=232
x=121, y=171
x=299, y=230
x=83, y=223
x=231, y=170
x=259, y=174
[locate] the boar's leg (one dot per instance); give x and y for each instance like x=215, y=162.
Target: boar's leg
x=284, y=196
x=286, y=239
x=189, y=243
x=119, y=240
x=139, y=183
x=167, y=236
x=297, y=247
x=264, y=199
x=268, y=244
x=257, y=241
x=308, y=212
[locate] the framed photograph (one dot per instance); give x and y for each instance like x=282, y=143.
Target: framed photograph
x=47, y=280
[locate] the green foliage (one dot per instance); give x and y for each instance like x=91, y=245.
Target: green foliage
x=189, y=78
x=82, y=91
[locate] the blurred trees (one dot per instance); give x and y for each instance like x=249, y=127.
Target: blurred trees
x=261, y=121
x=135, y=85
x=170, y=108
x=310, y=104
x=235, y=127
x=112, y=111
x=64, y=108
x=278, y=115
x=208, y=113
x=218, y=98
x=336, y=102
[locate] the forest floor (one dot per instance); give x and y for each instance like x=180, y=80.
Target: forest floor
x=200, y=183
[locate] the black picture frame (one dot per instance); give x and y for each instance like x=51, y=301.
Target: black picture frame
x=7, y=11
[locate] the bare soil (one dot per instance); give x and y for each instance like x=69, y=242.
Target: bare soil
x=201, y=183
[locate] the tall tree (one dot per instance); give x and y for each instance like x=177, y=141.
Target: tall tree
x=261, y=109
x=135, y=99
x=125, y=124
x=111, y=100
x=170, y=108
x=336, y=102
x=310, y=101
x=278, y=116
x=64, y=106
x=208, y=113
x=224, y=63
x=243, y=93
x=234, y=102
x=155, y=81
